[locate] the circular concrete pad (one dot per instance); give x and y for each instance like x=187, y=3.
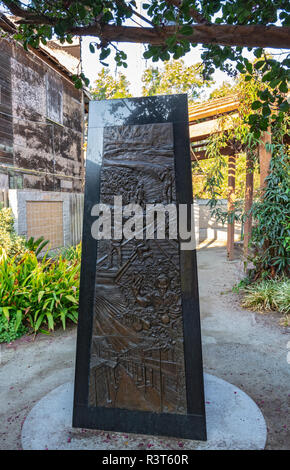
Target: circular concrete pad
x=234, y=422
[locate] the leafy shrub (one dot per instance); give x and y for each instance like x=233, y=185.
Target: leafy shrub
x=36, y=245
x=282, y=296
x=13, y=243
x=6, y=219
x=9, y=240
x=240, y=286
x=271, y=231
x=40, y=294
x=9, y=331
x=71, y=253
x=267, y=295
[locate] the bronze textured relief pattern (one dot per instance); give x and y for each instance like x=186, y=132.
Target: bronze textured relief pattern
x=137, y=355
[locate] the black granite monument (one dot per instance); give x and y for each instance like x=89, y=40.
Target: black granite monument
x=139, y=361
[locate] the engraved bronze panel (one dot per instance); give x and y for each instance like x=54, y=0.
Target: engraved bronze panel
x=139, y=364
x=137, y=356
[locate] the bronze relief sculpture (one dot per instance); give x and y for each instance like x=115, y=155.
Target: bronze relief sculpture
x=139, y=363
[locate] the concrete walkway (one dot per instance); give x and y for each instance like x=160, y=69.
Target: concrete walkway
x=248, y=350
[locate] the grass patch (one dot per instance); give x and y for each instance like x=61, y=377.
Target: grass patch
x=267, y=295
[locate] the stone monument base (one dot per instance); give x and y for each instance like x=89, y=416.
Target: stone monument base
x=234, y=422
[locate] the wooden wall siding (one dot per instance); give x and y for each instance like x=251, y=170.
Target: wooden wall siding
x=6, y=125
x=54, y=98
x=45, y=136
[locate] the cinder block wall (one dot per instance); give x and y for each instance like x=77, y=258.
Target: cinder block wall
x=208, y=227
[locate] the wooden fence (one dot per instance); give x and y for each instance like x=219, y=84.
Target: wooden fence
x=4, y=199
x=76, y=206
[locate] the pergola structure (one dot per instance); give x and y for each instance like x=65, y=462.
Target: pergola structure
x=204, y=120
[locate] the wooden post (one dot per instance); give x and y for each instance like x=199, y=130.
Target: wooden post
x=264, y=157
x=248, y=202
x=6, y=198
x=231, y=200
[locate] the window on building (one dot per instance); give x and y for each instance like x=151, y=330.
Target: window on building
x=15, y=181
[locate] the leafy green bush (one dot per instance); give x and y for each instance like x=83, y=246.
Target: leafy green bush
x=282, y=296
x=267, y=295
x=38, y=293
x=9, y=331
x=71, y=253
x=271, y=230
x=36, y=245
x=13, y=243
x=6, y=219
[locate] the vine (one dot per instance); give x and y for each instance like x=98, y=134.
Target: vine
x=271, y=207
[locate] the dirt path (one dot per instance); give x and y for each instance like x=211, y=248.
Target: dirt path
x=29, y=370
x=247, y=349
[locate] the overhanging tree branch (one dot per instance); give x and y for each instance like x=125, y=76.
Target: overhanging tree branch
x=192, y=11
x=24, y=13
x=255, y=35
x=106, y=20
x=227, y=35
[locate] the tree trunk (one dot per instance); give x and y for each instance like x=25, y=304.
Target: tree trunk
x=231, y=205
x=248, y=203
x=264, y=157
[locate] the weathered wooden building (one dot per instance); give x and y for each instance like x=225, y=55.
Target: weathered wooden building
x=41, y=137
